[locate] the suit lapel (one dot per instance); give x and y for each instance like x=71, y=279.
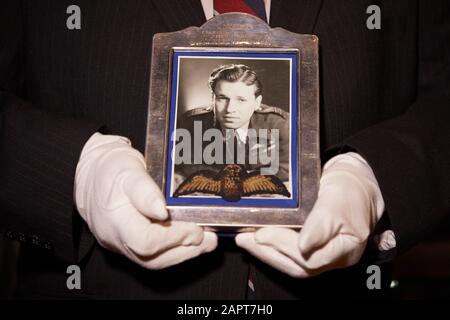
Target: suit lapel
x=179, y=14
x=295, y=15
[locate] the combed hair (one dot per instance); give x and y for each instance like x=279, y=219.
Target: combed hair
x=235, y=73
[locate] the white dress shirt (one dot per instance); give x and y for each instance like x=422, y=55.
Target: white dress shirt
x=208, y=8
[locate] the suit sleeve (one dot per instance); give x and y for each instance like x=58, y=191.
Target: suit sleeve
x=410, y=155
x=38, y=155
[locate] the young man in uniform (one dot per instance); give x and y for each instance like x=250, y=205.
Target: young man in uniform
x=254, y=134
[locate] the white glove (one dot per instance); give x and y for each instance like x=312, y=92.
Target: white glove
x=335, y=234
x=120, y=202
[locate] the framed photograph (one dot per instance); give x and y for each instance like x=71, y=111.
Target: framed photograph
x=233, y=129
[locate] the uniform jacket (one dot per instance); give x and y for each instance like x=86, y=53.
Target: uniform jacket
x=265, y=117
x=384, y=93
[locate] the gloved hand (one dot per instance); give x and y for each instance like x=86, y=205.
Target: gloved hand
x=335, y=234
x=122, y=206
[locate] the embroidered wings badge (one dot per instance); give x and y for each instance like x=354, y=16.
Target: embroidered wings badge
x=231, y=183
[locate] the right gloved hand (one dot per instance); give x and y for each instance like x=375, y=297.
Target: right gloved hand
x=122, y=205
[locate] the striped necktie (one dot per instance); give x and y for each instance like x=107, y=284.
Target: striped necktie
x=254, y=7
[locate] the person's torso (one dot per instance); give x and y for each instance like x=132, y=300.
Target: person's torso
x=101, y=73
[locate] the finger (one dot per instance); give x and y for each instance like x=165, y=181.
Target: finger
x=180, y=254
x=270, y=256
x=144, y=238
x=281, y=239
x=320, y=226
x=145, y=195
x=341, y=251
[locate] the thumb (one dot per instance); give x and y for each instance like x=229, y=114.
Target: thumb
x=319, y=228
x=324, y=221
x=145, y=195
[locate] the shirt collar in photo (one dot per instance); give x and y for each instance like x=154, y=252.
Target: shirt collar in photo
x=241, y=133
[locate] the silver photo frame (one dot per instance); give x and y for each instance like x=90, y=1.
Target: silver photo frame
x=287, y=63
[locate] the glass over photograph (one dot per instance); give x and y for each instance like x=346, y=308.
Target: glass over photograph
x=233, y=129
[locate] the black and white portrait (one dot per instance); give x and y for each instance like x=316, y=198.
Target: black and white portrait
x=232, y=130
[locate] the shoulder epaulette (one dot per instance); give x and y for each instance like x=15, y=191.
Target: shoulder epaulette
x=276, y=110
x=197, y=111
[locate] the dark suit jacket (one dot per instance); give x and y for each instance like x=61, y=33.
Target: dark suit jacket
x=384, y=93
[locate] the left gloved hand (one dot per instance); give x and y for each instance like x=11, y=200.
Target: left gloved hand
x=125, y=209
x=335, y=234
